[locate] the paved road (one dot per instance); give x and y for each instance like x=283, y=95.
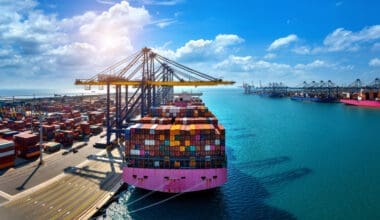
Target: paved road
x=72, y=195
x=22, y=178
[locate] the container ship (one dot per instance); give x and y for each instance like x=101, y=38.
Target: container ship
x=306, y=98
x=179, y=147
x=363, y=99
x=363, y=103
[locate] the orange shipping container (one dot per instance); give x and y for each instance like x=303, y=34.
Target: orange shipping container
x=6, y=165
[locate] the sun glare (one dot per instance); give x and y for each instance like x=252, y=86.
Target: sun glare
x=108, y=41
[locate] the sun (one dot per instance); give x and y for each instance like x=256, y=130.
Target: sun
x=109, y=41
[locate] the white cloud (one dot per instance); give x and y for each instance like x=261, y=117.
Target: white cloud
x=281, y=42
x=312, y=65
x=165, y=22
x=270, y=56
x=248, y=63
x=41, y=44
x=201, y=49
x=74, y=54
x=248, y=68
x=106, y=2
x=301, y=50
x=321, y=64
x=177, y=14
x=346, y=40
x=159, y=2
x=375, y=62
x=222, y=41
x=376, y=46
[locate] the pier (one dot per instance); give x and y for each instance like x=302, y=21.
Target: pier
x=322, y=90
x=44, y=192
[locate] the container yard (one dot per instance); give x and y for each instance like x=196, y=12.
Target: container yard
x=163, y=142
x=62, y=121
x=40, y=139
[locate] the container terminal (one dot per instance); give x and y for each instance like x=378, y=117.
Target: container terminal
x=66, y=158
x=356, y=93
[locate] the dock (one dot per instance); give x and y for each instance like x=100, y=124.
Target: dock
x=76, y=193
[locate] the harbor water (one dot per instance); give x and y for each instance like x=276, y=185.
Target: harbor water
x=286, y=160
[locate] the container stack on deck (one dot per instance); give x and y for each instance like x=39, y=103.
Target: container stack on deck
x=176, y=137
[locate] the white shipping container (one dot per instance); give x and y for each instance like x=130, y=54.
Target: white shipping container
x=135, y=152
x=6, y=144
x=8, y=153
x=152, y=129
x=207, y=147
x=149, y=142
x=156, y=163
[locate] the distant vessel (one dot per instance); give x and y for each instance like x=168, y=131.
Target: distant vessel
x=273, y=90
x=314, y=99
x=364, y=103
x=272, y=95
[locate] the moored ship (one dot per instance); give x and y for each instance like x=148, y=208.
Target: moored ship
x=364, y=98
x=363, y=103
x=313, y=99
x=179, y=147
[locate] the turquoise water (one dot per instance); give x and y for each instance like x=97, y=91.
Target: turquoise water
x=287, y=160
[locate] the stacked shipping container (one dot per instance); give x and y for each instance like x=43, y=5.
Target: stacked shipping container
x=26, y=144
x=7, y=153
x=176, y=137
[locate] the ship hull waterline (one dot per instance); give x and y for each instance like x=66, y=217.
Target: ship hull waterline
x=363, y=103
x=175, y=180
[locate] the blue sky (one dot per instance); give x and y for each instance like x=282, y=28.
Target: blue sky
x=50, y=43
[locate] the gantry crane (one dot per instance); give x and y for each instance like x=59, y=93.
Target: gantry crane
x=153, y=78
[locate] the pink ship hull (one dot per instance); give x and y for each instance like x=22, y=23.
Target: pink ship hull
x=175, y=180
x=366, y=103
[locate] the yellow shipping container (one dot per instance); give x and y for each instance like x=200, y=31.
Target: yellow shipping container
x=192, y=163
x=172, y=143
x=162, y=137
x=192, y=129
x=182, y=148
x=177, y=164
